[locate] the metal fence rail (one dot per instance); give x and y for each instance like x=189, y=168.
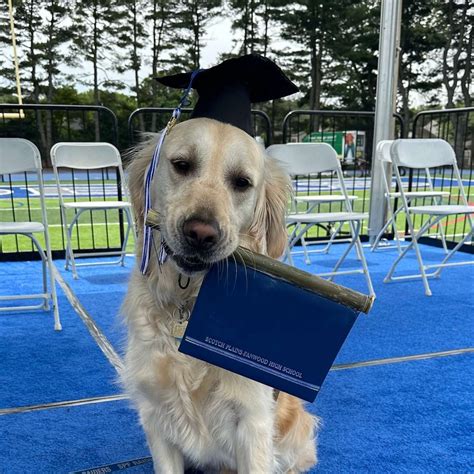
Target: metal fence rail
x=350, y=133
x=45, y=125
x=154, y=119
x=456, y=126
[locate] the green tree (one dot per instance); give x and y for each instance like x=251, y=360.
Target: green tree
x=162, y=20
x=28, y=23
x=51, y=54
x=455, y=21
x=253, y=19
x=419, y=37
x=7, y=71
x=131, y=37
x=56, y=33
x=192, y=19
x=311, y=27
x=95, y=26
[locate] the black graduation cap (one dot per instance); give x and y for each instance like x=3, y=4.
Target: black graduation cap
x=226, y=91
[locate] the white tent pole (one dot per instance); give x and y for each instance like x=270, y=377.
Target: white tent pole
x=384, y=128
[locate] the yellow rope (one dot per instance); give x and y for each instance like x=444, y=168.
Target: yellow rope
x=21, y=113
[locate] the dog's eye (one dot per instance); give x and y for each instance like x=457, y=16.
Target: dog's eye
x=181, y=166
x=242, y=183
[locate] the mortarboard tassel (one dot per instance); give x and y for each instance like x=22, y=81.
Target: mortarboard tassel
x=147, y=231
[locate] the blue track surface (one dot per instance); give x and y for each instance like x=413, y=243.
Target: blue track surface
x=407, y=417
x=96, y=187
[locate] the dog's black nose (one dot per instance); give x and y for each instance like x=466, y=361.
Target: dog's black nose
x=200, y=234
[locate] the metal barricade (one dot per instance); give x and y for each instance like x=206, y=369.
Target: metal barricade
x=350, y=133
x=154, y=119
x=45, y=125
x=456, y=126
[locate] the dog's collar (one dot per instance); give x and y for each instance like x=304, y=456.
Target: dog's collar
x=179, y=319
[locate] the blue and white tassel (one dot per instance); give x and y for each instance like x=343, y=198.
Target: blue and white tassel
x=148, y=231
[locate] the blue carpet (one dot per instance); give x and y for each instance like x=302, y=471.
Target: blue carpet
x=69, y=439
x=101, y=290
x=403, y=320
x=40, y=365
x=413, y=417
x=408, y=417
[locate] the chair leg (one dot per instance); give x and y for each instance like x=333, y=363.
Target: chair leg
x=363, y=261
x=43, y=268
x=443, y=239
x=392, y=221
x=45, y=279
x=307, y=260
x=355, y=230
x=333, y=237
x=439, y=201
x=127, y=234
x=65, y=235
x=69, y=244
x=452, y=252
x=288, y=256
x=54, y=296
x=48, y=261
x=343, y=256
x=387, y=224
x=413, y=243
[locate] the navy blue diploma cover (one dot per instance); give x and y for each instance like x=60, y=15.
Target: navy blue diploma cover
x=271, y=328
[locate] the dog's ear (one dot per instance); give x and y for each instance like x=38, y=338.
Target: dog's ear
x=268, y=227
x=138, y=160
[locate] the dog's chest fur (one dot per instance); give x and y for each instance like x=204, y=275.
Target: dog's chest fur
x=199, y=407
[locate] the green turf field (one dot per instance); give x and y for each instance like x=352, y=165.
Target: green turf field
x=104, y=233
x=99, y=229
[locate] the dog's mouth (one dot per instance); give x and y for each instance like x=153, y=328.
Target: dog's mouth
x=190, y=265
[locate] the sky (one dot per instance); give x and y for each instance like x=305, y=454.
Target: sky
x=219, y=39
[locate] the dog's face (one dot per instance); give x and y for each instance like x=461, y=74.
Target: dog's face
x=214, y=189
x=206, y=188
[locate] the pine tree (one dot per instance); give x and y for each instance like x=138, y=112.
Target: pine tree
x=161, y=16
x=56, y=32
x=131, y=37
x=311, y=26
x=352, y=61
x=455, y=22
x=253, y=18
x=419, y=37
x=95, y=27
x=28, y=22
x=192, y=18
x=7, y=71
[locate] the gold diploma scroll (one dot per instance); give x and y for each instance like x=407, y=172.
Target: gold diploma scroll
x=327, y=289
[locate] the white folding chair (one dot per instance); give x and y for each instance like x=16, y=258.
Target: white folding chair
x=383, y=154
x=313, y=158
x=89, y=156
x=18, y=155
x=422, y=154
x=313, y=202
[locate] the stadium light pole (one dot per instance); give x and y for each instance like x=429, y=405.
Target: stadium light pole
x=384, y=128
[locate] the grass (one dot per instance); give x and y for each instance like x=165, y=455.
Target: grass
x=100, y=229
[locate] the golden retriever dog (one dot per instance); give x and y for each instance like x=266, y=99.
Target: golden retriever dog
x=214, y=189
